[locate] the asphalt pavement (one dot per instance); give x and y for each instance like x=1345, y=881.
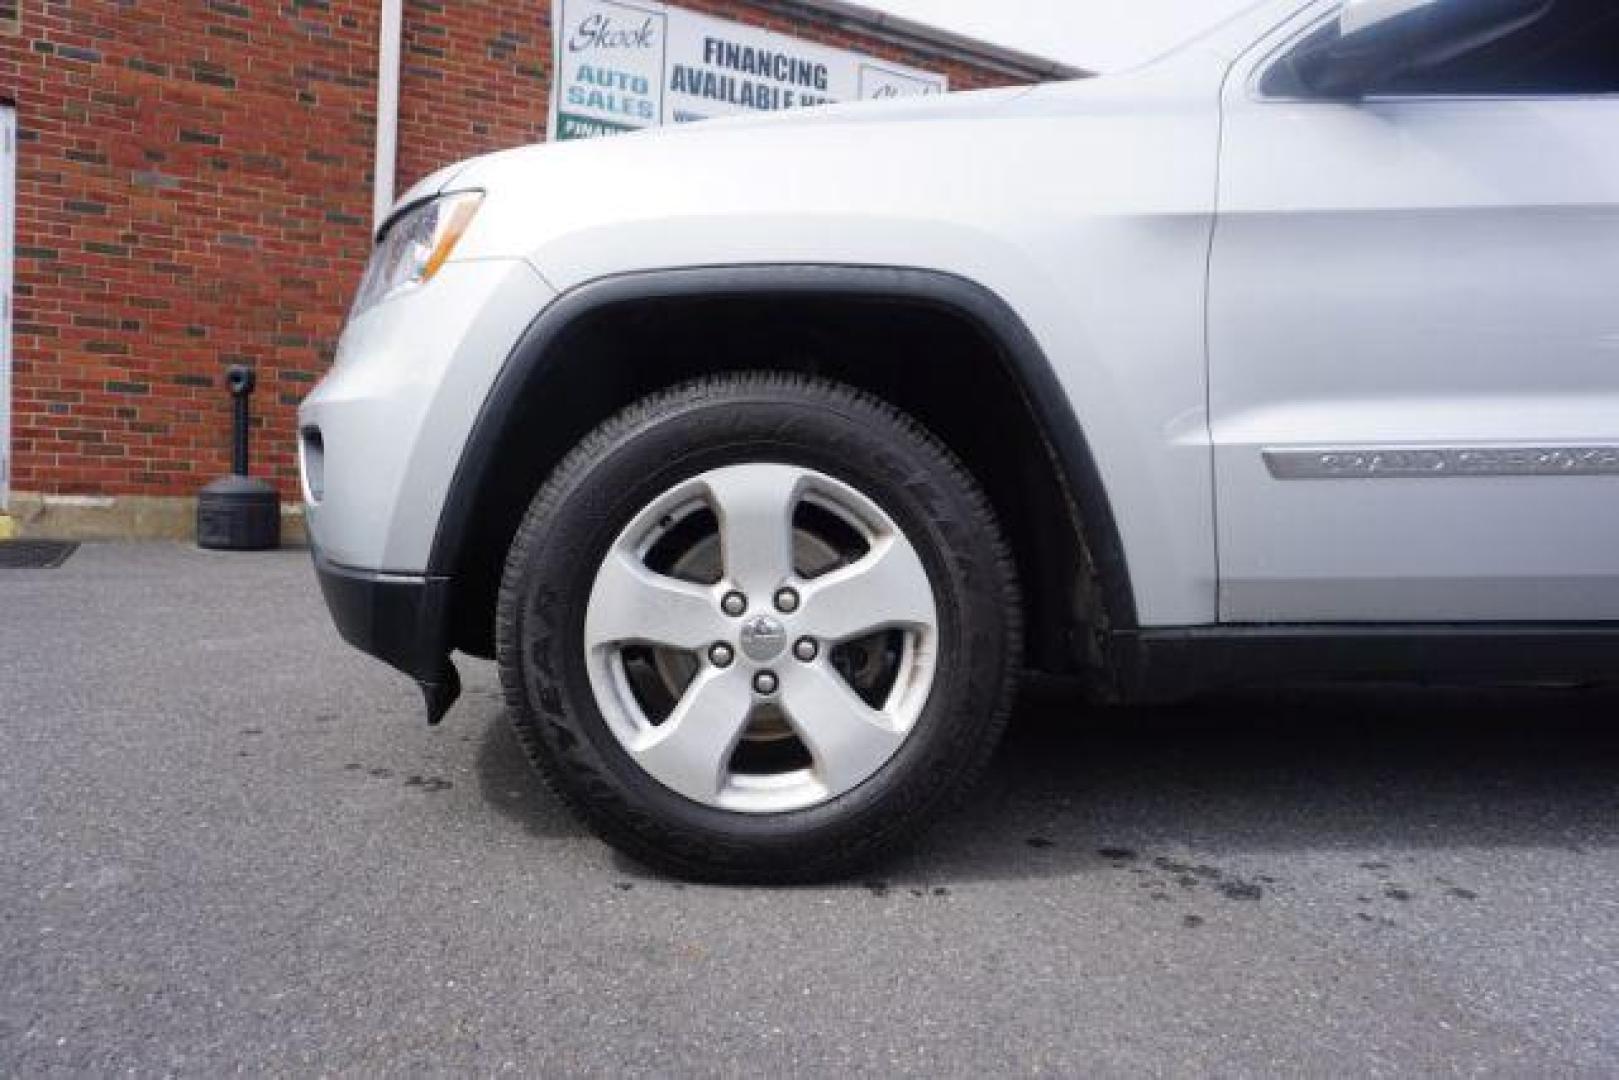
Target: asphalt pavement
x=229, y=843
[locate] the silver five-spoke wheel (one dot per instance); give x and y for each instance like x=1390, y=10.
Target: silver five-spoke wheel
x=761, y=638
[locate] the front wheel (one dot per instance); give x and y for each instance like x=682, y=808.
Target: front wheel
x=759, y=628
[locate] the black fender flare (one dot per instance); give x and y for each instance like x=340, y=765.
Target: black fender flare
x=991, y=315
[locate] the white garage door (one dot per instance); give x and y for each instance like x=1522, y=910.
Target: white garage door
x=8, y=214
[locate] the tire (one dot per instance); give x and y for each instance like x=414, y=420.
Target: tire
x=860, y=746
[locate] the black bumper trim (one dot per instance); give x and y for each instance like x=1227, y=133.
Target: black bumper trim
x=402, y=621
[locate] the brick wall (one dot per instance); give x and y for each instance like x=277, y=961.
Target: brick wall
x=475, y=76
x=194, y=186
x=193, y=189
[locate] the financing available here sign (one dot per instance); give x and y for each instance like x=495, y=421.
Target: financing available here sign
x=623, y=65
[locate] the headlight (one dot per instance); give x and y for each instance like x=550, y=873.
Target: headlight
x=416, y=245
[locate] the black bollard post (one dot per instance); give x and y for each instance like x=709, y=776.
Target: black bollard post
x=236, y=512
x=241, y=382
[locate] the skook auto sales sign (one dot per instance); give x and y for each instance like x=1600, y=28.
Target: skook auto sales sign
x=624, y=66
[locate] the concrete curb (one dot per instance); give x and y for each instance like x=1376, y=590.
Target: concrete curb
x=124, y=517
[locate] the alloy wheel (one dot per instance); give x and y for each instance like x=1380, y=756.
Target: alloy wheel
x=761, y=638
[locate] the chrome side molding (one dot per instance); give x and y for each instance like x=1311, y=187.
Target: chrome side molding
x=1440, y=462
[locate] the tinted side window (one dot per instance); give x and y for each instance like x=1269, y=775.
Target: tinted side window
x=1573, y=49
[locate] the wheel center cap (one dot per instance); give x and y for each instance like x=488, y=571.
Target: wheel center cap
x=763, y=638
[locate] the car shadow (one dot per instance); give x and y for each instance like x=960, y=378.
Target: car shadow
x=1364, y=770
x=511, y=785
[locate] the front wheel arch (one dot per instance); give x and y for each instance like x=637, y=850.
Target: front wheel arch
x=935, y=345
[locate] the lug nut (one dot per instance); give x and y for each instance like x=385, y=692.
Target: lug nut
x=734, y=604
x=806, y=649
x=765, y=683
x=720, y=655
x=786, y=601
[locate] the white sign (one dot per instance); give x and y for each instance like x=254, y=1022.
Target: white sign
x=622, y=65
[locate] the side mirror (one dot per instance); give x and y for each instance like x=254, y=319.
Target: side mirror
x=1375, y=40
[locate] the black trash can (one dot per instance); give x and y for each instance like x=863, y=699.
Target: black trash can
x=237, y=512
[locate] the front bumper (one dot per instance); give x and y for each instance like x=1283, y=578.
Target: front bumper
x=380, y=439
x=384, y=431
x=401, y=620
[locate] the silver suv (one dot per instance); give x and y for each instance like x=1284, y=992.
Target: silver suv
x=764, y=456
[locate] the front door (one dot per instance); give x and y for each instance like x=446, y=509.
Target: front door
x=1414, y=337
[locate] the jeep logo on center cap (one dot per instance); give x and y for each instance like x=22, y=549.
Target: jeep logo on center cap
x=763, y=638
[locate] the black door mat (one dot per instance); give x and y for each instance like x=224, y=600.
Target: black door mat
x=35, y=554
